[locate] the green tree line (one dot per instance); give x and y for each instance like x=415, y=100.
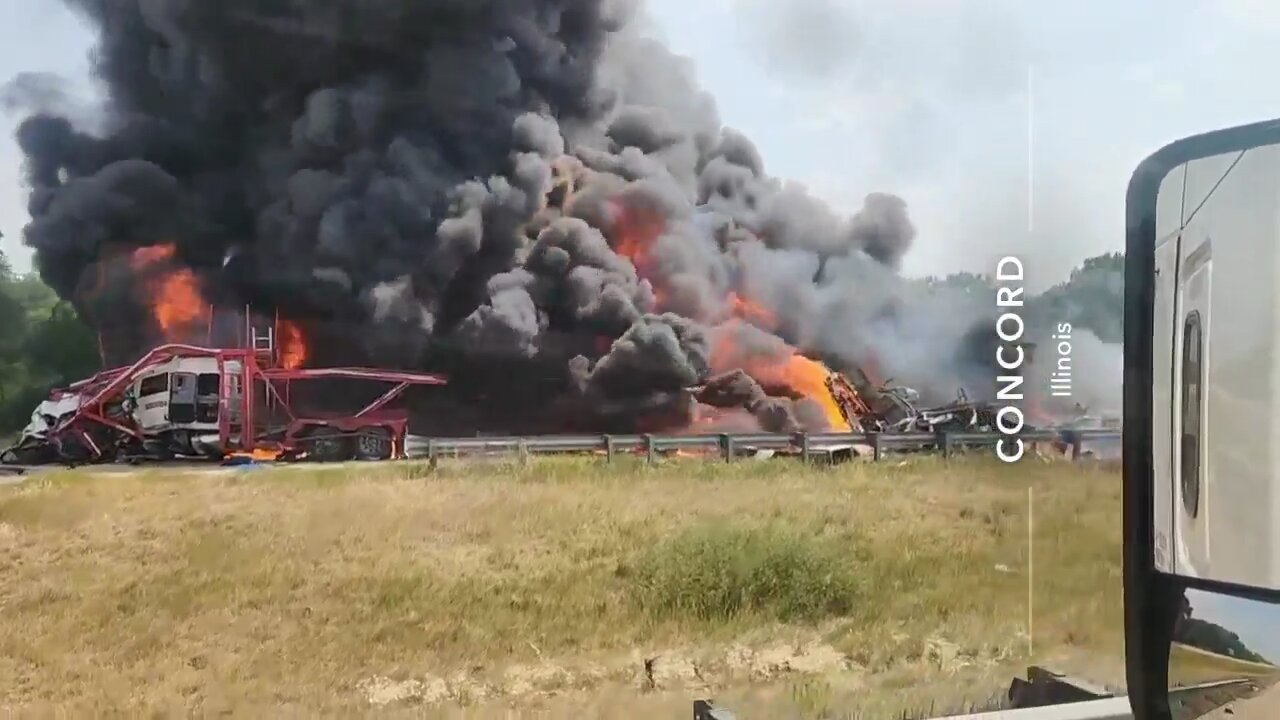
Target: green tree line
x=1211, y=637
x=43, y=345
x=1092, y=298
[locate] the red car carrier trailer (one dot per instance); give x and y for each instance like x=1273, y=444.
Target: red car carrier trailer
x=188, y=401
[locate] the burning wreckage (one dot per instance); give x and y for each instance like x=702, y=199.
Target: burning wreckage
x=533, y=199
x=189, y=401
x=186, y=401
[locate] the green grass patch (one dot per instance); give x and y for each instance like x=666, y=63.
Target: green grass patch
x=721, y=572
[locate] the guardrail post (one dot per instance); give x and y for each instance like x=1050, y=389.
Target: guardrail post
x=876, y=452
x=806, y=452
x=726, y=447
x=522, y=452
x=650, y=451
x=433, y=462
x=608, y=448
x=944, y=443
x=1076, y=443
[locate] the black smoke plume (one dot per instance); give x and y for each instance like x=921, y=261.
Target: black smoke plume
x=527, y=194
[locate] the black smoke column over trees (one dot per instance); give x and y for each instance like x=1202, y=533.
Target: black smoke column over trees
x=527, y=194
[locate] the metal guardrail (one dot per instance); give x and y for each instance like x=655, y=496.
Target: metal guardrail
x=729, y=445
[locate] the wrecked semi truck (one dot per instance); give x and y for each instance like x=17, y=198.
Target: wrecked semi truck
x=185, y=401
x=889, y=408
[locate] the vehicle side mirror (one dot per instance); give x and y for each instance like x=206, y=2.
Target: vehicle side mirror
x=1202, y=427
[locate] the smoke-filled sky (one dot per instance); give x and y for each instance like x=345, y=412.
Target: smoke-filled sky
x=923, y=99
x=447, y=183
x=928, y=100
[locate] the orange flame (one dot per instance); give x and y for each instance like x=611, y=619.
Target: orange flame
x=684, y=453
x=1038, y=411
x=147, y=256
x=870, y=368
x=293, y=345
x=177, y=303
x=635, y=229
x=809, y=378
x=751, y=311
x=784, y=368
x=711, y=419
x=260, y=454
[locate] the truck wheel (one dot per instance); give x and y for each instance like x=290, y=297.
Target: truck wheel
x=373, y=443
x=324, y=444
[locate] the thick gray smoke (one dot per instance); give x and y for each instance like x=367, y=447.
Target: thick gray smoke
x=1093, y=369
x=464, y=185
x=737, y=389
x=43, y=93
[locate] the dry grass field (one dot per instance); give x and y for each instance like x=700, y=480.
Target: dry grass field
x=554, y=588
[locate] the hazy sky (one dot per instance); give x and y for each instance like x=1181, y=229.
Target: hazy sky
x=1255, y=622
x=924, y=98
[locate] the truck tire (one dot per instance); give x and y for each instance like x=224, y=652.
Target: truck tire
x=373, y=443
x=325, y=444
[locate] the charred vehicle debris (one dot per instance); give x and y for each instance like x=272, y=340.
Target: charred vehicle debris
x=184, y=401
x=190, y=402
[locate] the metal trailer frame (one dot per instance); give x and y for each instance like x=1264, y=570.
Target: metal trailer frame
x=245, y=436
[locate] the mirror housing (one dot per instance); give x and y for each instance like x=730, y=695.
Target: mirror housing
x=1189, y=216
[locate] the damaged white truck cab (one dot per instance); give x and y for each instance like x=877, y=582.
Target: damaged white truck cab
x=33, y=444
x=178, y=404
x=48, y=413
x=175, y=408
